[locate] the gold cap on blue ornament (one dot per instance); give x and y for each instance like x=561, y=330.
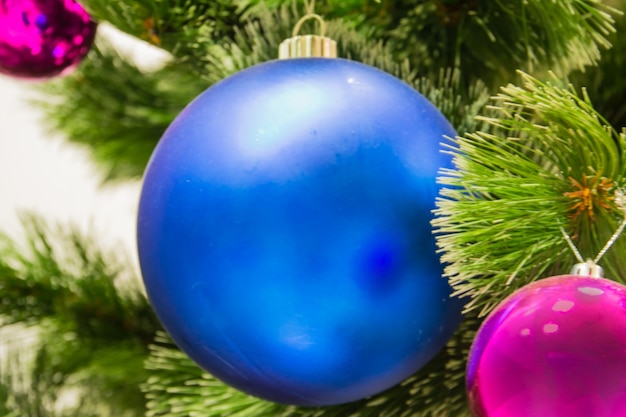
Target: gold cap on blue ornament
x=308, y=46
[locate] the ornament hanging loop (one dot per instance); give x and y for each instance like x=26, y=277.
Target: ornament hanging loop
x=611, y=241
x=308, y=46
x=583, y=268
x=590, y=268
x=306, y=17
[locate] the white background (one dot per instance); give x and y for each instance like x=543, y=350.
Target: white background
x=41, y=173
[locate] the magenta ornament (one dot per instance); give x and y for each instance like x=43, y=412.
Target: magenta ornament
x=555, y=348
x=43, y=38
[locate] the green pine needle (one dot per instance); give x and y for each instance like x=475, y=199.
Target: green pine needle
x=499, y=226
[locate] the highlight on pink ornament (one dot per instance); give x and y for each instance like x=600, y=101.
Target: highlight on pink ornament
x=554, y=348
x=40, y=39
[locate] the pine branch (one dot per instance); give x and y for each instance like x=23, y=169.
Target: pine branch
x=104, y=376
x=459, y=105
x=368, y=14
x=116, y=110
x=515, y=186
x=605, y=86
x=41, y=377
x=92, y=330
x=171, y=24
x=24, y=394
x=491, y=40
x=18, y=398
x=61, y=274
x=178, y=388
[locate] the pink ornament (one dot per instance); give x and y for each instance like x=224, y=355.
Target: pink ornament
x=43, y=38
x=555, y=348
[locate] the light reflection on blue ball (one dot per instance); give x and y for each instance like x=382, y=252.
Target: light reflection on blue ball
x=284, y=231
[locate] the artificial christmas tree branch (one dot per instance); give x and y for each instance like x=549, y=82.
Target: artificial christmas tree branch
x=491, y=40
x=61, y=275
x=120, y=118
x=608, y=92
x=92, y=331
x=172, y=24
x=177, y=387
x=520, y=181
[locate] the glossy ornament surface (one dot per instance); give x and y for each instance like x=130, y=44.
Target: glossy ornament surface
x=284, y=232
x=43, y=38
x=556, y=347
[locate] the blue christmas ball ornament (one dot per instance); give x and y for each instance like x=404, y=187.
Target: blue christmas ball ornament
x=284, y=231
